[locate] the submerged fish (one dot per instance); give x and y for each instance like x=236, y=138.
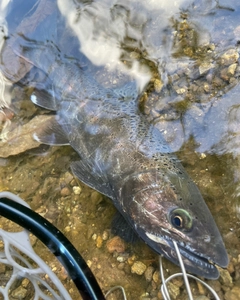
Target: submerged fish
x=123, y=156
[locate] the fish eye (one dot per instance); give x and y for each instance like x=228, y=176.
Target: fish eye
x=180, y=219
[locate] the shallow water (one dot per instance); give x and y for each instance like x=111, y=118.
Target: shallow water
x=185, y=61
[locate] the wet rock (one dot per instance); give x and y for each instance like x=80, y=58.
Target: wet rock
x=105, y=235
x=20, y=138
x=99, y=241
x=96, y=198
x=65, y=192
x=116, y=244
x=19, y=293
x=231, y=69
x=123, y=257
x=202, y=297
x=138, y=268
x=234, y=294
x=77, y=190
x=204, y=67
x=225, y=277
x=229, y=57
x=158, y=84
x=156, y=276
x=201, y=288
x=173, y=290
x=149, y=273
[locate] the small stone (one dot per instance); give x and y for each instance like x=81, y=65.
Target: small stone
x=202, y=297
x=225, y=277
x=99, y=241
x=25, y=282
x=156, y=276
x=122, y=258
x=158, y=85
x=138, y=268
x=231, y=69
x=174, y=290
x=19, y=293
x=96, y=197
x=201, y=288
x=65, y=192
x=233, y=294
x=229, y=57
x=132, y=259
x=116, y=244
x=105, y=235
x=89, y=263
x=204, y=67
x=121, y=266
x=180, y=91
x=94, y=236
x=77, y=190
x=149, y=273
x=206, y=87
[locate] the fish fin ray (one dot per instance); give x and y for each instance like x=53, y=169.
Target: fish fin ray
x=92, y=176
x=44, y=98
x=122, y=228
x=51, y=134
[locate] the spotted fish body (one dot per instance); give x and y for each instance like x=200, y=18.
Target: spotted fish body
x=121, y=154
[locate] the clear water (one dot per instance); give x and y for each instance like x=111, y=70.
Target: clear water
x=184, y=58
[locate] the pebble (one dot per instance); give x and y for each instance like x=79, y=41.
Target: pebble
x=234, y=294
x=173, y=290
x=202, y=297
x=65, y=192
x=229, y=57
x=225, y=277
x=138, y=268
x=156, y=276
x=99, y=241
x=204, y=67
x=116, y=244
x=149, y=273
x=77, y=190
x=231, y=69
x=158, y=84
x=105, y=235
x=19, y=293
x=201, y=288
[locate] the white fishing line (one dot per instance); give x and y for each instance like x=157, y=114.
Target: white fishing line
x=185, y=276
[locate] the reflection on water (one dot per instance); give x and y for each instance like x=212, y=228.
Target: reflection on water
x=184, y=59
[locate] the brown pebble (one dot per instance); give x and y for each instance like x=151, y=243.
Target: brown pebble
x=234, y=294
x=116, y=244
x=138, y=268
x=65, y=192
x=149, y=273
x=229, y=57
x=156, y=276
x=99, y=241
x=201, y=288
x=225, y=277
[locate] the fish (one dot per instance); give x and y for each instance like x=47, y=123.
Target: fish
x=121, y=154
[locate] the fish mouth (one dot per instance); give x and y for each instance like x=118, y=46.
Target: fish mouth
x=194, y=262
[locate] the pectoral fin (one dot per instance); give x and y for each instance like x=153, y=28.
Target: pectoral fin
x=93, y=177
x=121, y=228
x=51, y=134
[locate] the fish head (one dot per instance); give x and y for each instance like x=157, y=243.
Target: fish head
x=164, y=207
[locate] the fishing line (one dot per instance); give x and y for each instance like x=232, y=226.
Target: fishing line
x=164, y=289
